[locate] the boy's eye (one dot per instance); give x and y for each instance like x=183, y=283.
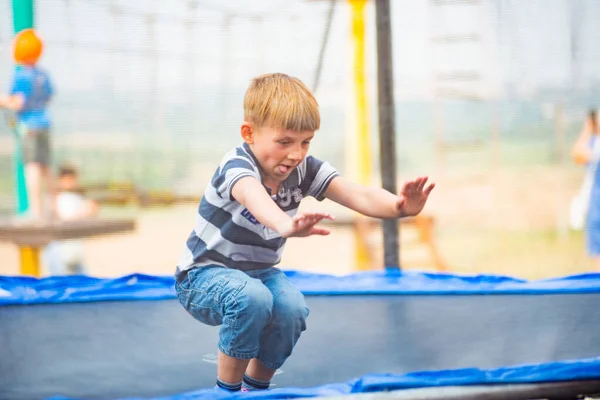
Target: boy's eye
x=284, y=142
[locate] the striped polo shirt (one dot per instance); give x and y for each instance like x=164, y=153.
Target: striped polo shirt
x=227, y=234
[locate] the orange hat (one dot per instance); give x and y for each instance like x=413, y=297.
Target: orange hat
x=27, y=47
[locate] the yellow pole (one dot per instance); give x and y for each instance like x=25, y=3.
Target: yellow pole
x=363, y=140
x=30, y=261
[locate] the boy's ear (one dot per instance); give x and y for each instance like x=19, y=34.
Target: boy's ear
x=247, y=132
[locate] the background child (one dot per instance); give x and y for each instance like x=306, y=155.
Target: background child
x=585, y=207
x=66, y=257
x=30, y=93
x=226, y=275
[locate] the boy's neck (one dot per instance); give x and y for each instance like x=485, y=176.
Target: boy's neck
x=273, y=186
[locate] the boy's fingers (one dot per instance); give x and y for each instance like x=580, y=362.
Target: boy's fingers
x=307, y=221
x=326, y=216
x=317, y=218
x=319, y=231
x=319, y=215
x=297, y=217
x=298, y=220
x=429, y=188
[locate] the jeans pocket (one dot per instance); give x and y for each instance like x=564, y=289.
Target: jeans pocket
x=195, y=296
x=200, y=305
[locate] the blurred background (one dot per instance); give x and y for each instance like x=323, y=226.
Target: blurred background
x=490, y=97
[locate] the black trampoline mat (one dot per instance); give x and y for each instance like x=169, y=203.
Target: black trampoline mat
x=154, y=348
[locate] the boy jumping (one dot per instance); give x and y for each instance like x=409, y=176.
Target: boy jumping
x=226, y=275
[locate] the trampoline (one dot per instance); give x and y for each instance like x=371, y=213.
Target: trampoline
x=414, y=335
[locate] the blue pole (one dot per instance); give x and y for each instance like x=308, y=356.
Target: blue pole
x=23, y=12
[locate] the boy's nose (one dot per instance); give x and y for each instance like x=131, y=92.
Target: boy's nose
x=295, y=155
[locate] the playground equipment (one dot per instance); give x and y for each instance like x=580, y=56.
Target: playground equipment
x=27, y=48
x=22, y=201
x=423, y=224
x=31, y=237
x=421, y=336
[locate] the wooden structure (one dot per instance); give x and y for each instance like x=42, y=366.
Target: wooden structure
x=424, y=225
x=32, y=236
x=127, y=193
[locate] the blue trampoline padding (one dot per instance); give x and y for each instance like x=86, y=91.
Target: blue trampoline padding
x=583, y=369
x=67, y=289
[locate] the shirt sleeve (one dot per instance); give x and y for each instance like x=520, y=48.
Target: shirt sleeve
x=228, y=175
x=49, y=86
x=319, y=175
x=21, y=85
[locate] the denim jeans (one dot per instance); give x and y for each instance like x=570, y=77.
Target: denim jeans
x=64, y=257
x=260, y=312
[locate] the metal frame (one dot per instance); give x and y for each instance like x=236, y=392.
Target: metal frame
x=551, y=390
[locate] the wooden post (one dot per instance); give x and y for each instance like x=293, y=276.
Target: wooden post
x=387, y=139
x=30, y=261
x=362, y=144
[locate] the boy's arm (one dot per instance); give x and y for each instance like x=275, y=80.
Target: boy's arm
x=17, y=96
x=13, y=102
x=249, y=192
x=581, y=151
x=377, y=202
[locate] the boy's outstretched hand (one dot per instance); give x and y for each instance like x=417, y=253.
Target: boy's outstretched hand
x=304, y=224
x=413, y=196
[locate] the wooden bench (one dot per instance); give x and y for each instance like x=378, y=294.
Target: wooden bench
x=32, y=236
x=424, y=224
x=126, y=193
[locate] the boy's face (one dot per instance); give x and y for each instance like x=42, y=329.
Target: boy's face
x=277, y=150
x=68, y=182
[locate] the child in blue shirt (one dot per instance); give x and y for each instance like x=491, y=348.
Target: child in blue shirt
x=30, y=93
x=586, y=151
x=226, y=275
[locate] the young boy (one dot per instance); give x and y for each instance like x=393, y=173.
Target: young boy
x=30, y=94
x=226, y=275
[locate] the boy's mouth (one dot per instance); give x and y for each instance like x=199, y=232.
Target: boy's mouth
x=284, y=169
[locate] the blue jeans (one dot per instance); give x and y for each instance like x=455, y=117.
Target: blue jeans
x=64, y=257
x=260, y=312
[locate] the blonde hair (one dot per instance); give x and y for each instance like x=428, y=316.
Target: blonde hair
x=281, y=101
